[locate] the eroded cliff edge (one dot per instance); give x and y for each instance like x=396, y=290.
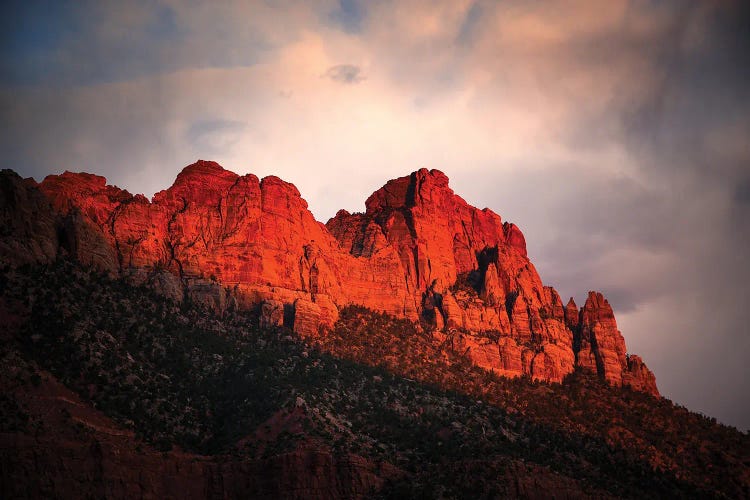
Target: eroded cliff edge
x=419, y=252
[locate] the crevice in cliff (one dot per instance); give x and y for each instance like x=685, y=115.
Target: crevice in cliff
x=415, y=263
x=485, y=257
x=289, y=313
x=111, y=220
x=597, y=356
x=411, y=190
x=173, y=259
x=432, y=306
x=510, y=303
x=170, y=238
x=358, y=241
x=314, y=278
x=132, y=248
x=409, y=220
x=577, y=339
x=66, y=235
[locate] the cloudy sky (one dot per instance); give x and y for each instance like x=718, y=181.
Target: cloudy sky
x=615, y=134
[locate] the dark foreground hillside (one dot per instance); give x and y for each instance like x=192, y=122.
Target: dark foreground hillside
x=110, y=390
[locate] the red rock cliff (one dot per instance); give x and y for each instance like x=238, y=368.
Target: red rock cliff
x=419, y=251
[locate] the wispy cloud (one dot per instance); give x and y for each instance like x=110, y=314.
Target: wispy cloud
x=216, y=136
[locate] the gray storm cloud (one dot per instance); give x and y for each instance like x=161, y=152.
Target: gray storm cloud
x=615, y=138
x=345, y=73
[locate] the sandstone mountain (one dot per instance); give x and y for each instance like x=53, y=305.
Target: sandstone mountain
x=419, y=252
x=217, y=341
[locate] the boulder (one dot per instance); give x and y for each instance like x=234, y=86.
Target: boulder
x=307, y=316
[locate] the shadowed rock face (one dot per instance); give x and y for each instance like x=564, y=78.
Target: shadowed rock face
x=419, y=252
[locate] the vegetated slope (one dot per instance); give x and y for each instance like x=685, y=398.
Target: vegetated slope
x=182, y=378
x=638, y=426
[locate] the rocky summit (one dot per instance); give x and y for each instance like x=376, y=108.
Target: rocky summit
x=419, y=252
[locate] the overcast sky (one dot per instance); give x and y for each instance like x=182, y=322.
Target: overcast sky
x=615, y=134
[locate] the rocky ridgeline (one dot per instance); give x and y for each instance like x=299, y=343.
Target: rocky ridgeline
x=418, y=252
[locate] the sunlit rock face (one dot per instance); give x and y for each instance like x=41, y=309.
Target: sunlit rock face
x=418, y=252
